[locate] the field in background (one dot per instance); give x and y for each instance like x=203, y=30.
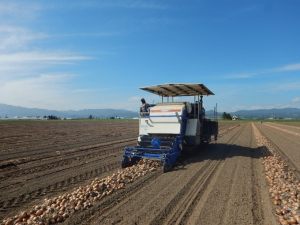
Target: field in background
x=46, y=158
x=290, y=123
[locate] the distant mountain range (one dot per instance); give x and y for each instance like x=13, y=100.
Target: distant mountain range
x=293, y=113
x=17, y=111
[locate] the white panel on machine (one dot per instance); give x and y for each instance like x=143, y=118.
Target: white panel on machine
x=163, y=119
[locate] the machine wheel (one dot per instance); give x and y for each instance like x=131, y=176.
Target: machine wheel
x=216, y=137
x=125, y=162
x=166, y=167
x=134, y=161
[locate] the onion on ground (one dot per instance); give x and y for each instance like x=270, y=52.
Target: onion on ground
x=284, y=185
x=58, y=209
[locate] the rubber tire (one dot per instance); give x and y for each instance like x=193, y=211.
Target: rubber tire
x=216, y=137
x=166, y=168
x=125, y=162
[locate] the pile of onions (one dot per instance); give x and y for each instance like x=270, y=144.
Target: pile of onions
x=284, y=186
x=58, y=209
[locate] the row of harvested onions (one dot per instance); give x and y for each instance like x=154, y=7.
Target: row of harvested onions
x=58, y=209
x=284, y=186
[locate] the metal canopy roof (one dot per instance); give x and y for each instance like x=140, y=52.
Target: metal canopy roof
x=172, y=90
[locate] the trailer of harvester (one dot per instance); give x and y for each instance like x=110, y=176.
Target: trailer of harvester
x=171, y=125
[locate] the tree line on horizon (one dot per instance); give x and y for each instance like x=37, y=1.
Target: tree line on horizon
x=226, y=116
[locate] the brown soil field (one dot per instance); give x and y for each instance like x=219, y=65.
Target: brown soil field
x=41, y=158
x=293, y=126
x=290, y=123
x=219, y=183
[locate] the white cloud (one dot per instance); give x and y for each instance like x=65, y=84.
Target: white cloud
x=16, y=10
x=16, y=38
x=130, y=4
x=284, y=68
x=241, y=75
x=290, y=67
x=296, y=100
x=85, y=34
x=54, y=91
x=41, y=57
x=28, y=64
x=134, y=99
x=51, y=91
x=45, y=91
x=25, y=79
x=84, y=90
x=291, y=86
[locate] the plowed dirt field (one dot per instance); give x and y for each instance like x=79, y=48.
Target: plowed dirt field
x=219, y=183
x=40, y=159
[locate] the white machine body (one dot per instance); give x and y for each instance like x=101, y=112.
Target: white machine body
x=165, y=118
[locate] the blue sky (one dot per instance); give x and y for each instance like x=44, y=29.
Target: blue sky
x=96, y=54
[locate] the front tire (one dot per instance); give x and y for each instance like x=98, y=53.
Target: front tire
x=166, y=167
x=125, y=162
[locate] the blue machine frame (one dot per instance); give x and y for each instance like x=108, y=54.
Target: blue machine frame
x=167, y=155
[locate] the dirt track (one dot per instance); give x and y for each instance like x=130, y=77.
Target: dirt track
x=221, y=183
